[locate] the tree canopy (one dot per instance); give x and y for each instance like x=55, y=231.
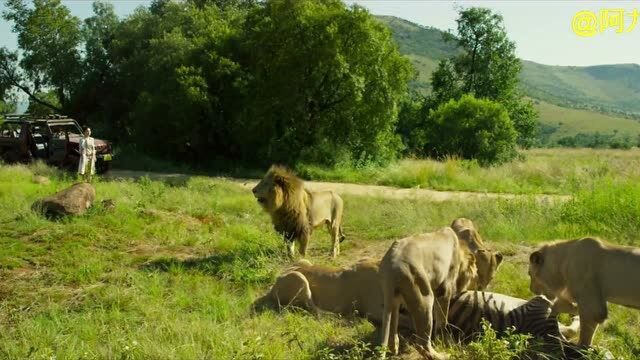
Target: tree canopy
x=487, y=67
x=279, y=80
x=472, y=128
x=334, y=86
x=49, y=38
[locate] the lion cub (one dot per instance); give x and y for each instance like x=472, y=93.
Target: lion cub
x=423, y=272
x=589, y=273
x=295, y=211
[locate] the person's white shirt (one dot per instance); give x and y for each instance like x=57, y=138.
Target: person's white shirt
x=87, y=155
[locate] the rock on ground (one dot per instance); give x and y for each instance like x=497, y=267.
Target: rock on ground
x=74, y=200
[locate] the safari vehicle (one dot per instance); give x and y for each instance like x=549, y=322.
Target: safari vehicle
x=55, y=139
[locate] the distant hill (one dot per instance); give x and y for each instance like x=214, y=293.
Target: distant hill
x=613, y=89
x=562, y=121
x=423, y=45
x=605, y=88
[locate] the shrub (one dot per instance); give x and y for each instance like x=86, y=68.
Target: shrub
x=596, y=140
x=472, y=128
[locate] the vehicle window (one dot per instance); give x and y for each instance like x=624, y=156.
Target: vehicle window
x=62, y=131
x=40, y=131
x=9, y=130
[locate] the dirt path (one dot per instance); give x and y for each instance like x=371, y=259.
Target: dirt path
x=352, y=189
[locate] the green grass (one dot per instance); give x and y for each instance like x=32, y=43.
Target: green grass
x=172, y=270
x=570, y=122
x=550, y=171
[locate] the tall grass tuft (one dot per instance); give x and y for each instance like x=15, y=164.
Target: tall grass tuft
x=551, y=171
x=610, y=207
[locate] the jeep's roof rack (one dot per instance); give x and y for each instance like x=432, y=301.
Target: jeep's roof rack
x=29, y=117
x=15, y=117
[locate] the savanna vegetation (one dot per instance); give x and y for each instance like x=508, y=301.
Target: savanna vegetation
x=210, y=82
x=609, y=89
x=557, y=124
x=202, y=81
x=551, y=171
x=492, y=127
x=172, y=270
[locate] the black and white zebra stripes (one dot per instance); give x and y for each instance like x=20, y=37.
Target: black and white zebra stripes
x=502, y=311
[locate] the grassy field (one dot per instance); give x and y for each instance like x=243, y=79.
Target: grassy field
x=570, y=122
x=550, y=171
x=538, y=171
x=172, y=270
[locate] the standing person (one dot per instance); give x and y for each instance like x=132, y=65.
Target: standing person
x=87, y=163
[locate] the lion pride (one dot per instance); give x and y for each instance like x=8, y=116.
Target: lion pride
x=296, y=211
x=589, y=273
x=355, y=291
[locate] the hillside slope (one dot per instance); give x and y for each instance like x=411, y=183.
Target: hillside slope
x=606, y=88
x=423, y=45
x=561, y=122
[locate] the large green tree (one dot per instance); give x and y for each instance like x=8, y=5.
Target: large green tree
x=48, y=38
x=201, y=80
x=38, y=109
x=487, y=67
x=326, y=81
x=7, y=97
x=180, y=89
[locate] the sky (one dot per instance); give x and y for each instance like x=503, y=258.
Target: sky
x=79, y=8
x=541, y=29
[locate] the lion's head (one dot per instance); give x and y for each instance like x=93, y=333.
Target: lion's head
x=542, y=275
x=275, y=187
x=487, y=262
x=283, y=196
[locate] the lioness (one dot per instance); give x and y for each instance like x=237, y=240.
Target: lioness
x=295, y=211
x=346, y=291
x=589, y=273
x=423, y=272
x=487, y=261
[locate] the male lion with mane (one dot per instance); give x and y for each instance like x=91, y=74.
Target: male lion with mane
x=296, y=211
x=589, y=273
